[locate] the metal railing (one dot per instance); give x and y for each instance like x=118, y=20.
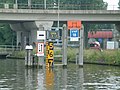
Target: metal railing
x=8, y=49
x=55, y=7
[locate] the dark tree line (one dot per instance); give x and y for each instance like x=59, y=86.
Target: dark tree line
x=7, y=36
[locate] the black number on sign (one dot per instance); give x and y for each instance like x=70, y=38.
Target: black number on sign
x=51, y=54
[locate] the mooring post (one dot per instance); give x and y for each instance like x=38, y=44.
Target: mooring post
x=64, y=45
x=29, y=57
x=81, y=47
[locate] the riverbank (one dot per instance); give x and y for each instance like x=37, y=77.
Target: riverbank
x=106, y=57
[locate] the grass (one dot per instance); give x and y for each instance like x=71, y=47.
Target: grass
x=90, y=55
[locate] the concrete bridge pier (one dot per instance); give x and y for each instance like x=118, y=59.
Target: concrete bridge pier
x=22, y=38
x=32, y=37
x=19, y=37
x=25, y=38
x=27, y=31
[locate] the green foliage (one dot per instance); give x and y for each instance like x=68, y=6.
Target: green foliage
x=19, y=54
x=71, y=54
x=107, y=56
x=7, y=36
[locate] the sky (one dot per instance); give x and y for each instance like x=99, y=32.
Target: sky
x=112, y=4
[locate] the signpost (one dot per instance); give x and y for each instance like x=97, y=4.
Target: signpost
x=49, y=54
x=41, y=36
x=75, y=27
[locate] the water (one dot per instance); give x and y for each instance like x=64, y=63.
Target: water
x=14, y=76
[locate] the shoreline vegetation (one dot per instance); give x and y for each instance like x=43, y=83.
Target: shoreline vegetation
x=91, y=56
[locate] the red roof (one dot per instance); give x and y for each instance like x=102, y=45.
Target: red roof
x=100, y=34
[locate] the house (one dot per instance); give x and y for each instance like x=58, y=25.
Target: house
x=101, y=36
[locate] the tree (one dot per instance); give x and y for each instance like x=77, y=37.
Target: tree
x=7, y=36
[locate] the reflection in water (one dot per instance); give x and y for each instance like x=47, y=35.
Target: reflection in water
x=80, y=78
x=64, y=76
x=14, y=76
x=34, y=79
x=49, y=78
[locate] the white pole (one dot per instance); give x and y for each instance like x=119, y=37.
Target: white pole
x=44, y=4
x=29, y=3
x=16, y=2
x=81, y=47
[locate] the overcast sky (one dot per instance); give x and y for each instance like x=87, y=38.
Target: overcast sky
x=111, y=3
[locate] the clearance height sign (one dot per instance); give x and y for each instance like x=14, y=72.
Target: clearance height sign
x=49, y=54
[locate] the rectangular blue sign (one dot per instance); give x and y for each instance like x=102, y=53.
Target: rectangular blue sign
x=74, y=33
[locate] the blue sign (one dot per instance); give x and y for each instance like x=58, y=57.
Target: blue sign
x=74, y=33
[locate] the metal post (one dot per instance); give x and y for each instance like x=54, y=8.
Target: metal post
x=64, y=45
x=26, y=58
x=29, y=3
x=16, y=2
x=58, y=13
x=29, y=57
x=44, y=4
x=81, y=47
x=41, y=58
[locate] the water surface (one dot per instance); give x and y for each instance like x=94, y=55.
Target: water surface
x=14, y=76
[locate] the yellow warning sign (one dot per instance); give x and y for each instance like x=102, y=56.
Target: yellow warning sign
x=49, y=54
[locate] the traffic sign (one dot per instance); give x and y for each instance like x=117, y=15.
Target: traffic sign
x=74, y=35
x=40, y=49
x=41, y=35
x=74, y=24
x=53, y=34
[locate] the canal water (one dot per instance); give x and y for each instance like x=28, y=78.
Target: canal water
x=14, y=76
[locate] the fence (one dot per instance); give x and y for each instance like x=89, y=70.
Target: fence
x=8, y=49
x=56, y=7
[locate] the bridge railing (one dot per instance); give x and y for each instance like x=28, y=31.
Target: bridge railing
x=55, y=7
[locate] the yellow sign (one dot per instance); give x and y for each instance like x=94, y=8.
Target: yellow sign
x=49, y=54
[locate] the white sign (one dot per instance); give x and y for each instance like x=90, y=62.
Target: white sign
x=40, y=49
x=112, y=45
x=41, y=35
